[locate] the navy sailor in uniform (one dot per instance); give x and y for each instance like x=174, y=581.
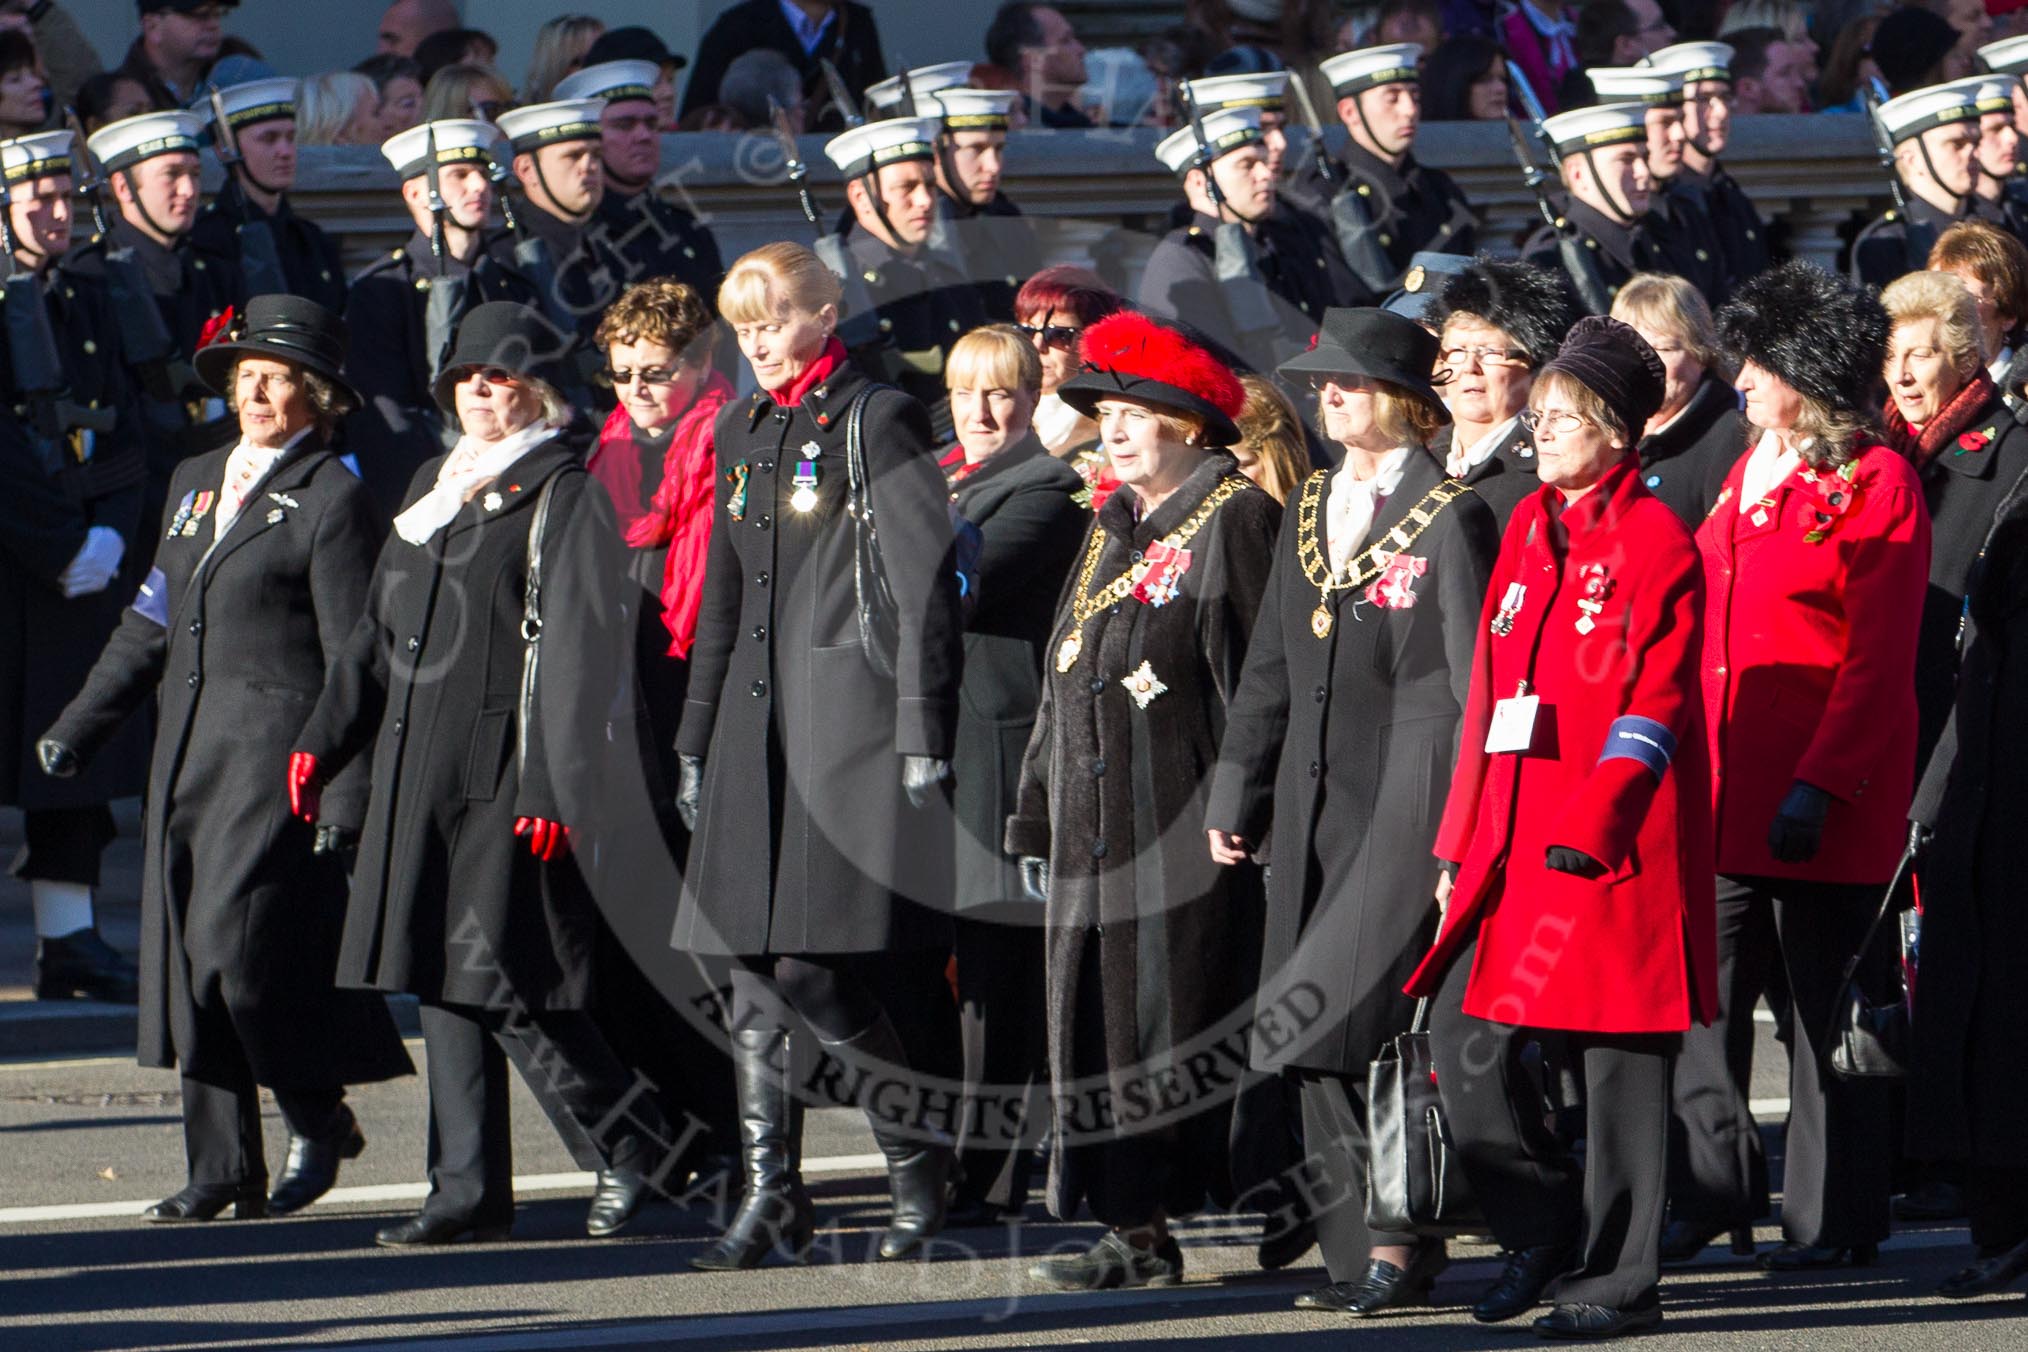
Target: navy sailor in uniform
x=1935, y=133
x=1602, y=153
x=250, y=221
x=1683, y=234
x=1706, y=68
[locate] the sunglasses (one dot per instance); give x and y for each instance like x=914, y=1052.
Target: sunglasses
x=650, y=375
x=1051, y=335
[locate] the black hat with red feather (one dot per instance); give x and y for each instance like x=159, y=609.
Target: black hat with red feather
x=1132, y=357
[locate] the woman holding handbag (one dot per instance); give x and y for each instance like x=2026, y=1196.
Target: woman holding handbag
x=815, y=742
x=1580, y=823
x=1340, y=741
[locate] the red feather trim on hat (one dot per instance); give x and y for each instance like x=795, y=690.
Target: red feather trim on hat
x=217, y=329
x=1131, y=344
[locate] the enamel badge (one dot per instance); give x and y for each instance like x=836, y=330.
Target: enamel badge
x=735, y=504
x=1143, y=685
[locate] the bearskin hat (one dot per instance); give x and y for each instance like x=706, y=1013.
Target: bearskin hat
x=1823, y=335
x=1527, y=303
x=1130, y=356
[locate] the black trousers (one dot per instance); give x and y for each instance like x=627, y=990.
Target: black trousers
x=1533, y=1188
x=1997, y=1200
x=64, y=844
x=1335, y=1141
x=1837, y=1172
x=1004, y=1030
x=222, y=1116
x=601, y=1111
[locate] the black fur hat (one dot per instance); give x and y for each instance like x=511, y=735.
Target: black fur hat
x=1525, y=302
x=1821, y=334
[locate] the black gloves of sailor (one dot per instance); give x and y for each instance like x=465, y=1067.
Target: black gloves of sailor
x=331, y=838
x=1797, y=831
x=1035, y=877
x=1566, y=860
x=689, y=789
x=58, y=760
x=920, y=776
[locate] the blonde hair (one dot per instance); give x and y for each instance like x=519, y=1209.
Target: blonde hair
x=560, y=45
x=327, y=103
x=1401, y=417
x=995, y=357
x=1669, y=304
x=455, y=91
x=1584, y=401
x=1270, y=445
x=1940, y=296
x=773, y=276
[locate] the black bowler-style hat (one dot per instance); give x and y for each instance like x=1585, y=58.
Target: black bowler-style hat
x=281, y=328
x=501, y=335
x=1377, y=344
x=1132, y=357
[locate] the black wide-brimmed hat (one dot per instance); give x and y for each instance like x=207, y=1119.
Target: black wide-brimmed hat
x=1377, y=344
x=281, y=328
x=1130, y=356
x=502, y=335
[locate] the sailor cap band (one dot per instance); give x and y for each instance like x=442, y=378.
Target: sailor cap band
x=612, y=82
x=1268, y=92
x=1910, y=115
x=1988, y=93
x=894, y=140
x=146, y=136
x=43, y=155
x=923, y=81
x=258, y=101
x=1603, y=124
x=459, y=140
x=2008, y=56
x=1636, y=84
x=972, y=109
x=1696, y=62
x=1370, y=67
x=1225, y=131
x=548, y=124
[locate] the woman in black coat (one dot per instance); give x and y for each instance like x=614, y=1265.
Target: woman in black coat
x=1152, y=949
x=465, y=894
x=810, y=778
x=1693, y=440
x=1024, y=503
x=260, y=574
x=1338, y=750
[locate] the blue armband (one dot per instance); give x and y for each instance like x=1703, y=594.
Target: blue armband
x=151, y=602
x=1632, y=737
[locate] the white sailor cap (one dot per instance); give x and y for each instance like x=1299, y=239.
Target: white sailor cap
x=1695, y=61
x=1992, y=93
x=459, y=140
x=43, y=155
x=257, y=101
x=1225, y=131
x=892, y=140
x=1267, y=91
x=1602, y=124
x=1910, y=115
x=2008, y=56
x=1636, y=84
x=1353, y=72
x=611, y=82
x=972, y=109
x=547, y=124
x=127, y=142
x=923, y=81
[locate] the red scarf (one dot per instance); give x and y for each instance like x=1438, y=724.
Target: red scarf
x=815, y=374
x=680, y=515
x=1919, y=445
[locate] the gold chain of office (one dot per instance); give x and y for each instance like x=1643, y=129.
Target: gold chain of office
x=1363, y=568
x=1086, y=603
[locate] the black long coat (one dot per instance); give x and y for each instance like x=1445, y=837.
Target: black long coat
x=1151, y=946
x=446, y=900
x=998, y=247
x=1968, y=1077
x=805, y=841
x=1619, y=251
x=1338, y=753
x=239, y=919
x=657, y=238
x=1742, y=234
x=1024, y=502
x=310, y=261
x=1685, y=463
x=1503, y=478
x=1414, y=208
x=1300, y=268
x=922, y=306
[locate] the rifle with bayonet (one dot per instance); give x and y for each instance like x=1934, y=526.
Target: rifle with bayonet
x=1917, y=239
x=41, y=390
x=449, y=293
x=834, y=83
x=260, y=258
x=1352, y=224
x=537, y=266
x=1577, y=260
x=1233, y=260
x=858, y=325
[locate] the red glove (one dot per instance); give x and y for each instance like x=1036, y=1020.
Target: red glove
x=547, y=840
x=305, y=785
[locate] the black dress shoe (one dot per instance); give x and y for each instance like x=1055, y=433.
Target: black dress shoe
x=1282, y=1244
x=973, y=1214
x=1793, y=1257
x=84, y=966
x=616, y=1196
x=424, y=1230
x=1113, y=1263
x=312, y=1167
x=1992, y=1272
x=207, y=1201
x=1598, y=1321
x=1336, y=1298
x=1383, y=1287
x=1521, y=1283
x=1931, y=1202
x=1683, y=1241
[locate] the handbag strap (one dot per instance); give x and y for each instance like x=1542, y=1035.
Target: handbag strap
x=531, y=619
x=1829, y=1041
x=860, y=499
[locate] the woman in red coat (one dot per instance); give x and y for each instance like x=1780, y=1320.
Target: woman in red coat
x=1816, y=561
x=1580, y=817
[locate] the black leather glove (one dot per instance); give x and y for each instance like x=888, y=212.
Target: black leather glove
x=1566, y=860
x=58, y=760
x=689, y=789
x=1919, y=838
x=1797, y=831
x=333, y=839
x=1035, y=877
x=920, y=776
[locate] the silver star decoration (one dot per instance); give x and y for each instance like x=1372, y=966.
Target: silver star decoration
x=1144, y=685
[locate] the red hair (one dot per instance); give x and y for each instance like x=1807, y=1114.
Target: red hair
x=1131, y=344
x=1072, y=290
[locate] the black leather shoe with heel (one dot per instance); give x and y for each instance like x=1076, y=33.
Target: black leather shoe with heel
x=312, y=1168
x=1520, y=1285
x=209, y=1201
x=775, y=1213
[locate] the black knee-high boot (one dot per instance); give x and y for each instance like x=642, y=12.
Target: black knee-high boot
x=918, y=1161
x=775, y=1212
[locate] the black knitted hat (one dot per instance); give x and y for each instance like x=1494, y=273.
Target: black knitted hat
x=1821, y=334
x=1523, y=301
x=1615, y=363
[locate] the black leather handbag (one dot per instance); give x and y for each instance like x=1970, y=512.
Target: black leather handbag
x=1414, y=1181
x=1868, y=1041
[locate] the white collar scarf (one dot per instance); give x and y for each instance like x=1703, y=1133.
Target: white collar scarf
x=469, y=467
x=1463, y=460
x=1768, y=466
x=249, y=464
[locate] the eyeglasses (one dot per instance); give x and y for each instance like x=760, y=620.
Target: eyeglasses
x=1486, y=357
x=1321, y=381
x=1560, y=424
x=1051, y=335
x=649, y=375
